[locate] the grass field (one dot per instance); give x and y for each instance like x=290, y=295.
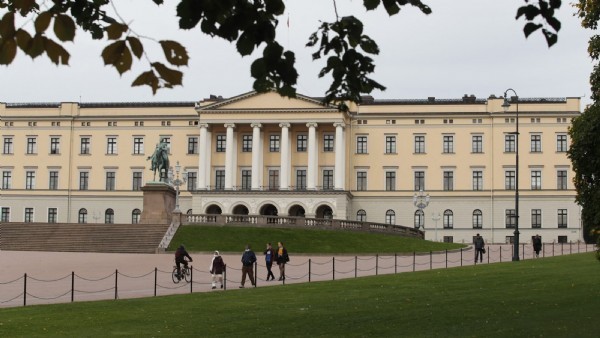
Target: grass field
x=551, y=297
x=233, y=239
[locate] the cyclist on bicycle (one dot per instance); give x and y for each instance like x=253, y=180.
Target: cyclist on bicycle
x=180, y=255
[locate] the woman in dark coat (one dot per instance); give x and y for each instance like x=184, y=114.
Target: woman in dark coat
x=537, y=245
x=281, y=257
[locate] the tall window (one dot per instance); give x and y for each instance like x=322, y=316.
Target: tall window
x=301, y=142
x=192, y=145
x=192, y=180
x=246, y=179
x=477, y=219
x=53, y=180
x=509, y=143
x=52, y=215
x=390, y=217
x=390, y=144
x=448, y=180
x=509, y=180
x=511, y=218
x=28, y=215
x=477, y=180
x=84, y=178
x=301, y=179
x=5, y=216
x=361, y=180
x=137, y=181
x=274, y=143
x=361, y=215
x=7, y=146
x=327, y=179
x=328, y=143
x=136, y=214
x=536, y=143
x=138, y=145
x=419, y=220
x=6, y=180
x=31, y=145
x=221, y=143
x=110, y=180
x=82, y=216
x=419, y=144
x=30, y=180
x=361, y=144
x=562, y=218
x=84, y=147
x=536, y=180
x=111, y=145
x=54, y=145
x=419, y=180
x=109, y=216
x=274, y=179
x=247, y=143
x=219, y=179
x=536, y=218
x=477, y=144
x=390, y=180
x=448, y=144
x=561, y=179
x=448, y=219
x=561, y=143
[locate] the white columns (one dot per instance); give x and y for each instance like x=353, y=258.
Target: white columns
x=203, y=158
x=229, y=156
x=311, y=175
x=284, y=176
x=256, y=156
x=340, y=156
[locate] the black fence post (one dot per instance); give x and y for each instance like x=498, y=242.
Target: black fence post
x=155, y=280
x=255, y=274
x=191, y=279
x=500, y=253
x=395, y=262
x=376, y=264
x=414, y=261
x=446, y=258
x=461, y=259
x=523, y=251
x=309, y=268
x=225, y=278
x=355, y=266
x=333, y=263
x=72, y=286
x=430, y=260
x=570, y=247
x=25, y=290
x=116, y=282
x=543, y=250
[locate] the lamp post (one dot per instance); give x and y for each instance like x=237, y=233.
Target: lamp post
x=436, y=218
x=421, y=201
x=176, y=181
x=505, y=106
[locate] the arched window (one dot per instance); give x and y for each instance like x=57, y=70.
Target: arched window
x=189, y=212
x=448, y=219
x=135, y=216
x=109, y=216
x=82, y=216
x=419, y=219
x=361, y=215
x=477, y=219
x=390, y=217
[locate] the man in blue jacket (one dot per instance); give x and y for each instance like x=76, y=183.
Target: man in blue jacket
x=248, y=259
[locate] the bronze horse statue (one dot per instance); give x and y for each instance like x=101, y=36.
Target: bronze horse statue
x=160, y=161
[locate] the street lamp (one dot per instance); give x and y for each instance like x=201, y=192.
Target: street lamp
x=176, y=181
x=436, y=218
x=421, y=201
x=505, y=106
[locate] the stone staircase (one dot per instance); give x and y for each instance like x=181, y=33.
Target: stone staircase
x=72, y=237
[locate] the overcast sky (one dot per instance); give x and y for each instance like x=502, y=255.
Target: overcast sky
x=463, y=47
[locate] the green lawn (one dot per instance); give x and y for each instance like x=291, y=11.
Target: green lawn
x=551, y=297
x=233, y=239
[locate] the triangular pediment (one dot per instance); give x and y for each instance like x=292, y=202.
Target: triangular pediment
x=270, y=101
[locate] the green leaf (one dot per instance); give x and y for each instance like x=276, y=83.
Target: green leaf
x=136, y=46
x=245, y=44
x=42, y=22
x=174, y=52
x=551, y=38
x=258, y=68
x=7, y=26
x=171, y=76
x=371, y=4
x=118, y=55
x=8, y=51
x=391, y=7
x=147, y=79
x=56, y=53
x=274, y=7
x=531, y=27
x=23, y=39
x=115, y=30
x=64, y=27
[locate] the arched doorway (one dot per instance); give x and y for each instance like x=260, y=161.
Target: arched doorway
x=325, y=212
x=240, y=209
x=297, y=211
x=213, y=209
x=269, y=210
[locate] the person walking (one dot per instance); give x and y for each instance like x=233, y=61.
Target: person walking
x=269, y=257
x=537, y=245
x=217, y=268
x=281, y=256
x=479, y=248
x=248, y=259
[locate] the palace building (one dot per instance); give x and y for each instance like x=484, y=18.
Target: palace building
x=265, y=154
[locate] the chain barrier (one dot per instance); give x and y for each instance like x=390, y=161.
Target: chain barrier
x=95, y=280
x=10, y=300
x=135, y=277
x=48, y=298
x=48, y=280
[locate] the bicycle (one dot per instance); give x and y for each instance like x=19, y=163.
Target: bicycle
x=186, y=273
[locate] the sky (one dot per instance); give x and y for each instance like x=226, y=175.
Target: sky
x=473, y=47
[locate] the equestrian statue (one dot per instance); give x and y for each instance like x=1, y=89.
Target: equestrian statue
x=160, y=161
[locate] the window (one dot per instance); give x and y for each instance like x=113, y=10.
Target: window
x=509, y=180
x=53, y=180
x=419, y=180
x=328, y=143
x=562, y=240
x=536, y=143
x=390, y=180
x=327, y=179
x=30, y=180
x=477, y=219
x=510, y=218
x=6, y=180
x=477, y=144
x=419, y=219
x=448, y=219
x=54, y=145
x=5, y=216
x=52, y=213
x=477, y=180
x=536, y=180
x=301, y=143
x=274, y=179
x=109, y=216
x=390, y=144
x=448, y=239
x=274, y=143
x=31, y=145
x=361, y=180
x=137, y=181
x=192, y=145
x=221, y=143
x=448, y=180
x=28, y=215
x=419, y=144
x=84, y=178
x=448, y=144
x=8, y=146
x=136, y=214
x=246, y=179
x=84, y=147
x=111, y=145
x=301, y=179
x=390, y=217
x=219, y=179
x=138, y=145
x=361, y=215
x=361, y=145
x=82, y=216
x=561, y=179
x=561, y=143
x=536, y=218
x=509, y=143
x=192, y=180
x=110, y=180
x=562, y=218
x=247, y=143
x=165, y=123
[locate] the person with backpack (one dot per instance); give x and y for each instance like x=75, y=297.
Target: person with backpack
x=269, y=257
x=217, y=268
x=281, y=256
x=248, y=260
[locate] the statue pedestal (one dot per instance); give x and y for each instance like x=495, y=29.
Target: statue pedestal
x=159, y=202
